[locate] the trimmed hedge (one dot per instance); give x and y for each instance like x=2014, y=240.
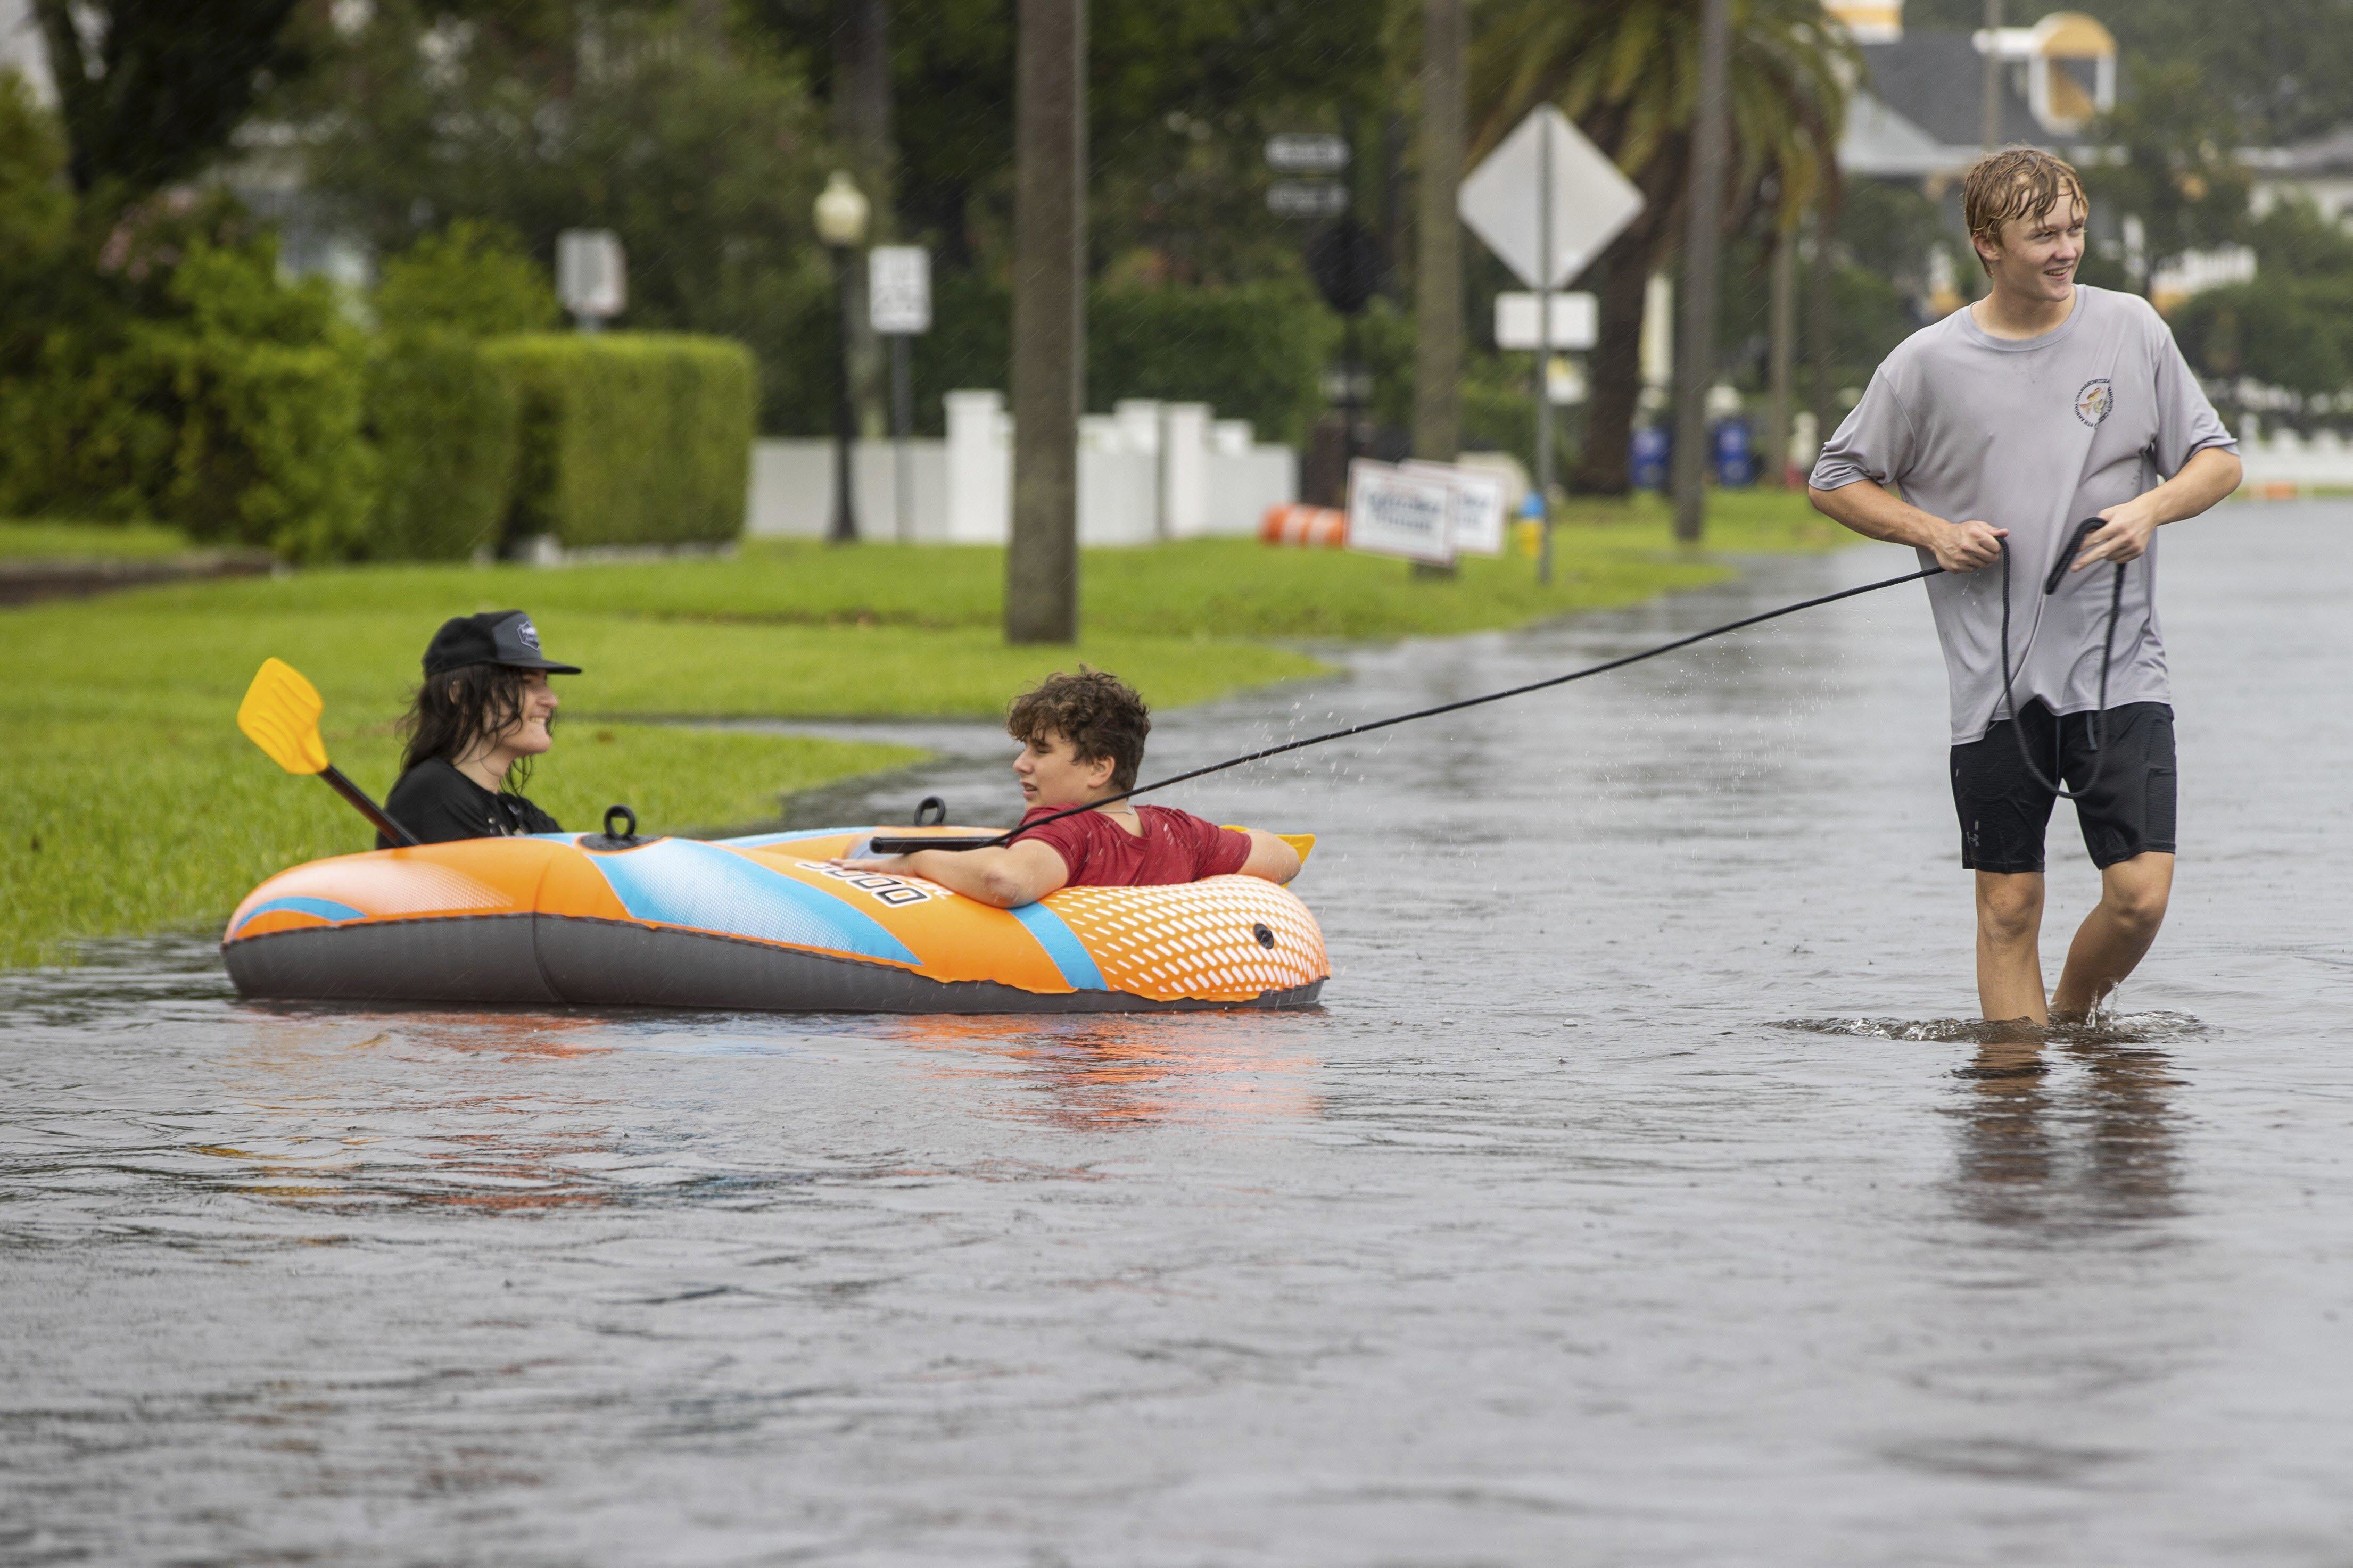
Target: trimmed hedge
x=443, y=418
x=628, y=438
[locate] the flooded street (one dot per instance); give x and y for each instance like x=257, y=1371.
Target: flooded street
x=1633, y=1198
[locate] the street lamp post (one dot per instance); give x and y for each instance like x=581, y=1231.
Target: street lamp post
x=841, y=212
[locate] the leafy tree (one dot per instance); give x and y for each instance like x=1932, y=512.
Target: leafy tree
x=472, y=278
x=162, y=85
x=2176, y=166
x=1627, y=71
x=699, y=146
x=1181, y=96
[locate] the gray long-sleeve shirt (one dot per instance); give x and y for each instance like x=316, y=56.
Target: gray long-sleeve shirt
x=2033, y=435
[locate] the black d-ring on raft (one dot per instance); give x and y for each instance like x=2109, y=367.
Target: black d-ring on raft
x=2058, y=575
x=626, y=838
x=932, y=812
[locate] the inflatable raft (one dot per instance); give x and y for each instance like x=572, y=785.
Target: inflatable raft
x=760, y=923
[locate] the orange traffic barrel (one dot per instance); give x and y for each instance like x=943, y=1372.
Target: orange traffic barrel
x=1313, y=526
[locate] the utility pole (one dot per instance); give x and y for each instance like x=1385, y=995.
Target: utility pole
x=1695, y=340
x=861, y=123
x=1049, y=235
x=1438, y=272
x=1779, y=373
x=1990, y=111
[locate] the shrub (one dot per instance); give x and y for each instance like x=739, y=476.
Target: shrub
x=443, y=418
x=2290, y=332
x=472, y=278
x=628, y=438
x=236, y=417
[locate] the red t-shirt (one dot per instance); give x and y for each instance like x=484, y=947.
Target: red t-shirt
x=1176, y=846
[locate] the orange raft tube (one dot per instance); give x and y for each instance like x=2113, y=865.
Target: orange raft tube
x=760, y=923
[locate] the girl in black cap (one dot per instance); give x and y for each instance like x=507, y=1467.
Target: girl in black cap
x=482, y=713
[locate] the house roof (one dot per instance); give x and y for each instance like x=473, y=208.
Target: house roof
x=1936, y=81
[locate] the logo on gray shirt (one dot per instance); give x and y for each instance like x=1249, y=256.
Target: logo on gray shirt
x=2094, y=402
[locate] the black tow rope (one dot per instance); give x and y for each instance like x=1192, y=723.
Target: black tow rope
x=2058, y=575
x=883, y=845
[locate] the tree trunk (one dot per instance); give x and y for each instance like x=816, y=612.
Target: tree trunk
x=1618, y=278
x=861, y=122
x=1041, y=568
x=1695, y=340
x=1778, y=369
x=1438, y=273
x=1817, y=320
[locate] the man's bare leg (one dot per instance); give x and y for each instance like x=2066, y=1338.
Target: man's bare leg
x=2010, y=952
x=2116, y=934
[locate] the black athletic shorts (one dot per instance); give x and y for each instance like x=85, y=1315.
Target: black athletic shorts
x=2129, y=811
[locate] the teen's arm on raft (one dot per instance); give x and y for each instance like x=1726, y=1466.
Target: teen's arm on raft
x=1873, y=511
x=1024, y=872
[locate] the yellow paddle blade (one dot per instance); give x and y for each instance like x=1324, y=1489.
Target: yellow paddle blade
x=1303, y=842
x=281, y=715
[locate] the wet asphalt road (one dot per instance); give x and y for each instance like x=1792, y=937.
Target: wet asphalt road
x=1638, y=1197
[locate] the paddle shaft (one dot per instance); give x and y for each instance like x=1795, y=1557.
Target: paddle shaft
x=366, y=807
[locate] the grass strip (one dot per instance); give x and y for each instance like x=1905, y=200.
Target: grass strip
x=90, y=541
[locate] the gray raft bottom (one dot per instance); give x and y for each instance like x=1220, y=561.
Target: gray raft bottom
x=569, y=960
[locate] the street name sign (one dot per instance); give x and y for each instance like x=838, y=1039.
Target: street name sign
x=1312, y=152
x=1307, y=198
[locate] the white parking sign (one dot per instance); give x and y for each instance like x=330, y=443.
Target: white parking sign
x=899, y=288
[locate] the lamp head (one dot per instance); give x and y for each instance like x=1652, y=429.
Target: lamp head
x=841, y=211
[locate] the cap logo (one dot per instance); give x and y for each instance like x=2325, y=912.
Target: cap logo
x=528, y=632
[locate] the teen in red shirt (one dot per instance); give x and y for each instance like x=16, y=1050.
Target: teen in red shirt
x=1082, y=741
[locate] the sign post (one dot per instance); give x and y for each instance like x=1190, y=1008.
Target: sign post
x=1580, y=202
x=899, y=303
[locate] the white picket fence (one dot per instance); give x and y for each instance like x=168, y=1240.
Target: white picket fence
x=2281, y=461
x=1148, y=470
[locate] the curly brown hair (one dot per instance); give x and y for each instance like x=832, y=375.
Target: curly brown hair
x=1096, y=711
x=2016, y=182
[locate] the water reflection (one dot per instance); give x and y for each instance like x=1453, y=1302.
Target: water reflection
x=2077, y=1129
x=329, y=1128
x=1108, y=1072
x=2062, y=1127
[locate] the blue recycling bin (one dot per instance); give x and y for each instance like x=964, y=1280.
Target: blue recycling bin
x=1649, y=462
x=1735, y=454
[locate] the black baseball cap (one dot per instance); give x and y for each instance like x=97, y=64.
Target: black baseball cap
x=494, y=636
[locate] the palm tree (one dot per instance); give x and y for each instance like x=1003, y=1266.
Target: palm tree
x=1627, y=71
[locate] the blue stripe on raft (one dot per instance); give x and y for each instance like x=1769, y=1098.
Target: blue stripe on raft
x=683, y=882
x=325, y=908
x=1063, y=945
x=769, y=840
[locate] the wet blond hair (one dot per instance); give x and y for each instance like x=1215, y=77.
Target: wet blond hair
x=2016, y=182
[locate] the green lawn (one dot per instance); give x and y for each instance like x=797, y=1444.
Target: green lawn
x=138, y=808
